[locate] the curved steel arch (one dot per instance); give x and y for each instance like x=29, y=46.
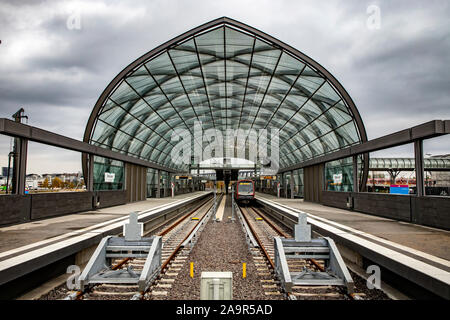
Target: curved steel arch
x=217, y=23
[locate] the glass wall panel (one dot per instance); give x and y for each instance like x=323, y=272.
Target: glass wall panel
x=165, y=182
x=151, y=183
x=52, y=169
x=108, y=174
x=339, y=175
x=392, y=171
x=300, y=183
x=295, y=177
x=437, y=166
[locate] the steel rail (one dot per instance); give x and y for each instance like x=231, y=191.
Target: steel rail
x=273, y=226
x=352, y=296
x=284, y=234
x=266, y=254
x=167, y=230
x=78, y=295
x=175, y=251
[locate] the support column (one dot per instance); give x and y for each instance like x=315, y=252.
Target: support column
x=90, y=178
x=285, y=186
x=364, y=172
x=355, y=174
x=144, y=183
x=128, y=177
x=171, y=180
x=314, y=182
x=163, y=185
x=166, y=184
x=198, y=178
x=132, y=178
x=20, y=165
x=136, y=182
x=158, y=184
x=418, y=156
x=291, y=182
x=373, y=181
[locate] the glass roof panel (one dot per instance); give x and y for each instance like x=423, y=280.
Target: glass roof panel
x=226, y=77
x=124, y=93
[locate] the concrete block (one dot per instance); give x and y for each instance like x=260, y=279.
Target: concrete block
x=216, y=286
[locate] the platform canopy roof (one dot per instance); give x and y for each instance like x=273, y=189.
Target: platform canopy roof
x=431, y=164
x=228, y=76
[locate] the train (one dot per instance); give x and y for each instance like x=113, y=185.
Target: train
x=244, y=191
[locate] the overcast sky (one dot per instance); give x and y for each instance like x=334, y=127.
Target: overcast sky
x=398, y=75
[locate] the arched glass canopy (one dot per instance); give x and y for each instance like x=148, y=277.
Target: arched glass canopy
x=228, y=76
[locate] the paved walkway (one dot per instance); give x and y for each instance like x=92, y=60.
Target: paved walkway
x=404, y=236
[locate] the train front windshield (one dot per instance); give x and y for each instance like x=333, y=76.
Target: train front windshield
x=245, y=187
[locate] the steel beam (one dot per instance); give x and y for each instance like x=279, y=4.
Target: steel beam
x=31, y=133
x=21, y=169
x=355, y=174
x=158, y=184
x=90, y=177
x=447, y=126
x=418, y=155
x=291, y=182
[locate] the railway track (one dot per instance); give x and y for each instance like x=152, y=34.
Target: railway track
x=175, y=258
x=174, y=255
x=173, y=232
x=264, y=230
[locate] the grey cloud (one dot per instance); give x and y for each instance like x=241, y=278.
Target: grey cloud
x=398, y=75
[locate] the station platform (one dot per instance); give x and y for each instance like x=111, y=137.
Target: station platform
x=35, y=252
x=432, y=241
x=25, y=237
x=400, y=246
x=221, y=209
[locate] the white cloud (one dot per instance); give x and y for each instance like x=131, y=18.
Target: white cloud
x=396, y=75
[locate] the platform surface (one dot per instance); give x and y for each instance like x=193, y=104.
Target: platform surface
x=401, y=236
x=16, y=239
x=221, y=209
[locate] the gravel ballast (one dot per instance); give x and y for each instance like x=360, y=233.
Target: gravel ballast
x=221, y=247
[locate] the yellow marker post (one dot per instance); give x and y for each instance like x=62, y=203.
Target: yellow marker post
x=191, y=271
x=244, y=270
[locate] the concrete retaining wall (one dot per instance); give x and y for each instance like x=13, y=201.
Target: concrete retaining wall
x=384, y=205
x=111, y=198
x=19, y=209
x=44, y=205
x=429, y=211
x=14, y=209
